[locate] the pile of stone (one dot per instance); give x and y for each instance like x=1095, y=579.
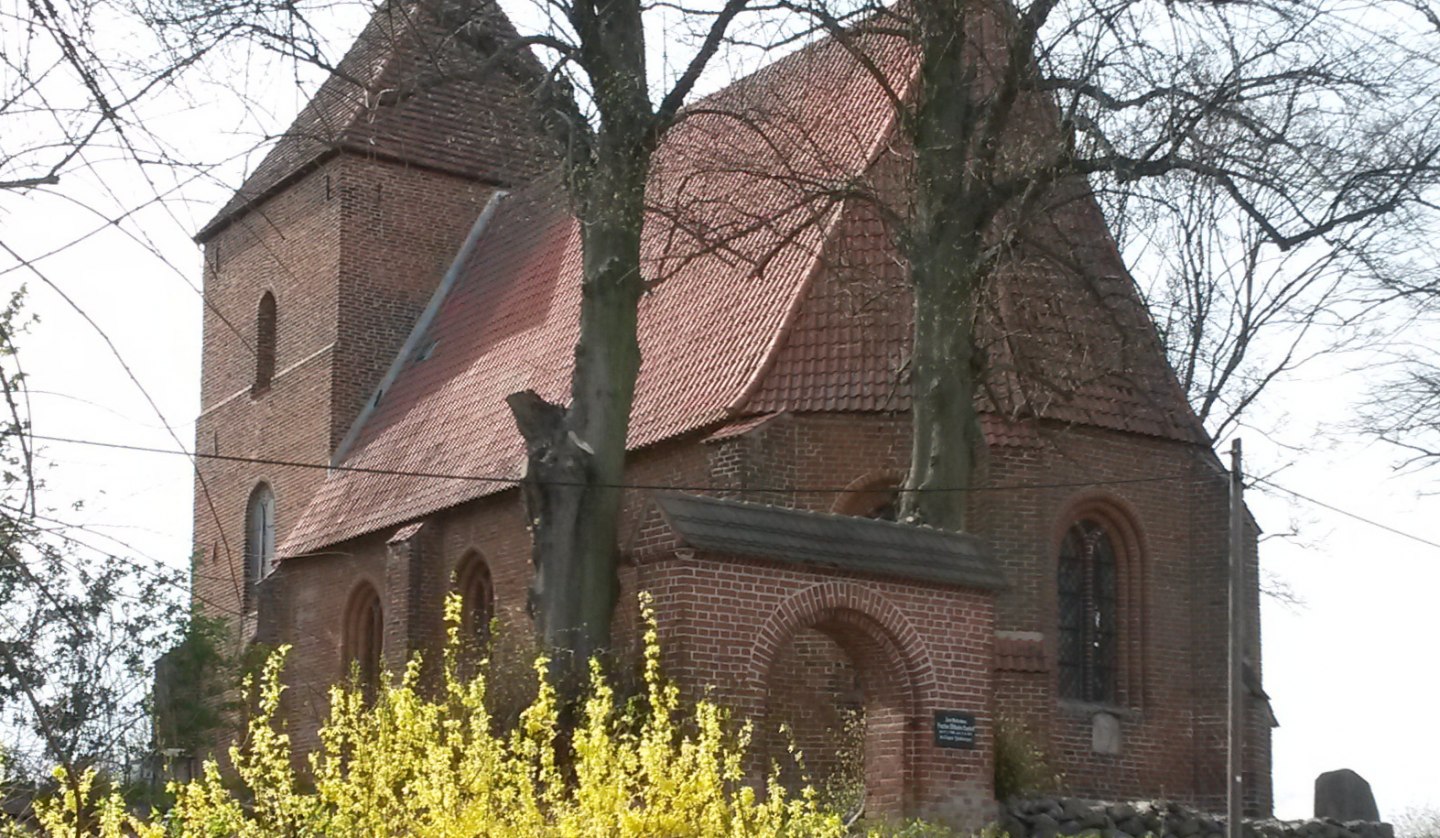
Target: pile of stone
x=1047, y=817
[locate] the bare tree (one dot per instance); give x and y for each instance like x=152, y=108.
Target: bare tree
x=79, y=619
x=586, y=65
x=76, y=75
x=1404, y=410
x=1299, y=135
x=1237, y=312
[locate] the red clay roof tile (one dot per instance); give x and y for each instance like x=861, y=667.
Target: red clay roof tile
x=766, y=296
x=706, y=325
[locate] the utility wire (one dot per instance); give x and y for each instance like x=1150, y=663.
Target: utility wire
x=515, y=481
x=1348, y=514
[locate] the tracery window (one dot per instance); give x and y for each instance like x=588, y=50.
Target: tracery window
x=259, y=540
x=1089, y=614
x=364, y=637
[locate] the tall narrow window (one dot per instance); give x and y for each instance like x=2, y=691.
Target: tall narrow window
x=259, y=540
x=364, y=637
x=265, y=342
x=477, y=598
x=1088, y=614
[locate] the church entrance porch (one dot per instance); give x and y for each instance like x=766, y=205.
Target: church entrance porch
x=856, y=633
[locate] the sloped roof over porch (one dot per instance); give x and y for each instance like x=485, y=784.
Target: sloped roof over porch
x=818, y=540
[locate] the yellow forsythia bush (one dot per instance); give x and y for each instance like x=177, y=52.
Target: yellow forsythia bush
x=411, y=764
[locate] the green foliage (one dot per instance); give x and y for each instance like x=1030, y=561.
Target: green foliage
x=191, y=681
x=1022, y=766
x=844, y=789
x=79, y=625
x=926, y=829
x=431, y=763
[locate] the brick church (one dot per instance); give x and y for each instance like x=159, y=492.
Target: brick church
x=398, y=264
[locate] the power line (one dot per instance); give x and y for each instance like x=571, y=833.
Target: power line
x=1361, y=518
x=515, y=481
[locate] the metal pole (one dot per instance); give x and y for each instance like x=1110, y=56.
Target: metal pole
x=1236, y=725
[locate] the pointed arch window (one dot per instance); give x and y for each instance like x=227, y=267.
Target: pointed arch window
x=477, y=598
x=265, y=325
x=259, y=540
x=1089, y=614
x=364, y=637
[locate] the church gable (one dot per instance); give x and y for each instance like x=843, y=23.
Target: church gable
x=1062, y=331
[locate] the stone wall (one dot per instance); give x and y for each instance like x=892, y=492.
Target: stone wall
x=1047, y=817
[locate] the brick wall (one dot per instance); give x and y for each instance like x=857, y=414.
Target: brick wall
x=289, y=247
x=1167, y=504
x=1165, y=500
x=351, y=252
x=731, y=622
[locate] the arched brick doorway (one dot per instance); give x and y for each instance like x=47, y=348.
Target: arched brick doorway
x=832, y=650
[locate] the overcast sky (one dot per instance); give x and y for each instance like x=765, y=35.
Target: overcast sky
x=1350, y=665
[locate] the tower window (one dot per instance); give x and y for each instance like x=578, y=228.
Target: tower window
x=265, y=342
x=259, y=540
x=1088, y=614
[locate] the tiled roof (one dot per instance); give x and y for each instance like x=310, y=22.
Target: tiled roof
x=395, y=95
x=710, y=319
x=817, y=539
x=766, y=297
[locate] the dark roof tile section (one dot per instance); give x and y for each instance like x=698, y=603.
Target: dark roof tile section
x=397, y=95
x=813, y=539
x=741, y=427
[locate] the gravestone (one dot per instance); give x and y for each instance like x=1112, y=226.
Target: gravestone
x=1344, y=796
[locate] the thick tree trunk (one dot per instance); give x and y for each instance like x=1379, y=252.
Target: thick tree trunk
x=944, y=250
x=944, y=424
x=576, y=454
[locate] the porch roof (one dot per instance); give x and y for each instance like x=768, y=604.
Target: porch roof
x=824, y=540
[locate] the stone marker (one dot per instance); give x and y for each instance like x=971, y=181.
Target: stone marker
x=1344, y=796
x=1105, y=734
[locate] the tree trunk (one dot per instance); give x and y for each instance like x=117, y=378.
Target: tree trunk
x=944, y=250
x=576, y=454
x=944, y=424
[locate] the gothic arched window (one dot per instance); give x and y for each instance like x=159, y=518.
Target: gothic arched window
x=265, y=342
x=477, y=598
x=259, y=539
x=364, y=637
x=1089, y=614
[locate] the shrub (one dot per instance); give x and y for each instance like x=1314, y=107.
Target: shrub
x=412, y=763
x=1022, y=767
